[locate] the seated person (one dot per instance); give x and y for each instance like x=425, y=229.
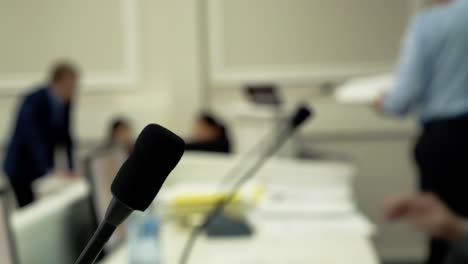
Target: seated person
x=430, y=215
x=120, y=135
x=209, y=135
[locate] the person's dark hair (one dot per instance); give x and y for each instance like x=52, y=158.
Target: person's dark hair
x=221, y=144
x=62, y=69
x=116, y=124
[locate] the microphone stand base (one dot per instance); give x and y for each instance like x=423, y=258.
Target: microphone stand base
x=228, y=226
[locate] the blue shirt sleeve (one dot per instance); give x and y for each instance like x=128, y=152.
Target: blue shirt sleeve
x=410, y=74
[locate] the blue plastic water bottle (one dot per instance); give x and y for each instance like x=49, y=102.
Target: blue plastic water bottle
x=143, y=237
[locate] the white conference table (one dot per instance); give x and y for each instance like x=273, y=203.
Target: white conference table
x=321, y=239
x=280, y=247
x=337, y=240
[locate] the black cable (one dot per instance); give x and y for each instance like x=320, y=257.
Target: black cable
x=220, y=206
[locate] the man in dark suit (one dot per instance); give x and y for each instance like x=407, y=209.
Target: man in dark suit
x=42, y=124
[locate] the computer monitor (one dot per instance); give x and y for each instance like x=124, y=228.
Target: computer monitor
x=7, y=243
x=265, y=94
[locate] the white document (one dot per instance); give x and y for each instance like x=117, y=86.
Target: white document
x=288, y=201
x=345, y=224
x=364, y=90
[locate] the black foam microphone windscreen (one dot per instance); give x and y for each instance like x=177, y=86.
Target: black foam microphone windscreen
x=157, y=151
x=301, y=115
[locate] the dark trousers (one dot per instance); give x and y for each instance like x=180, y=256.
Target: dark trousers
x=441, y=154
x=23, y=192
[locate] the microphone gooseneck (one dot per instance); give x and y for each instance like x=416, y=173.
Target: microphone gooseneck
x=157, y=151
x=116, y=213
x=300, y=116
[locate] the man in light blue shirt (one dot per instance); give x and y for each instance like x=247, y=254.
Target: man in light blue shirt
x=432, y=82
x=432, y=77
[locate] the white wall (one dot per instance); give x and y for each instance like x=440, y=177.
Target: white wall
x=302, y=41
x=168, y=90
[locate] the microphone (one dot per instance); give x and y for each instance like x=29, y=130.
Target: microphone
x=157, y=151
x=302, y=114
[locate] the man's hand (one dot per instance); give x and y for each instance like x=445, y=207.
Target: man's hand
x=427, y=213
x=378, y=103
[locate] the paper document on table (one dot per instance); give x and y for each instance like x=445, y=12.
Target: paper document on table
x=287, y=210
x=238, y=258
x=364, y=90
x=284, y=201
x=352, y=223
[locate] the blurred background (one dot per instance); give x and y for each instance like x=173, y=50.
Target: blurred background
x=194, y=67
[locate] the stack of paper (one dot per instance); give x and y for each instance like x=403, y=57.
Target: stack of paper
x=364, y=90
x=292, y=201
x=309, y=208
